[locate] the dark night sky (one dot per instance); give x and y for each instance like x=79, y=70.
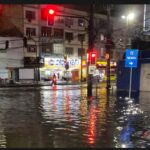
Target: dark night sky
x=117, y=9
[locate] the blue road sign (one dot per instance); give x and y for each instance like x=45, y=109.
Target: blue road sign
x=131, y=58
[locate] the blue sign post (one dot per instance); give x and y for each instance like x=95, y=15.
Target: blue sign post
x=131, y=62
x=131, y=58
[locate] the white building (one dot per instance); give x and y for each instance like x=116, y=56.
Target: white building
x=11, y=58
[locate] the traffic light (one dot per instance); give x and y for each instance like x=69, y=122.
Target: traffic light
x=7, y=44
x=50, y=18
x=92, y=58
x=25, y=42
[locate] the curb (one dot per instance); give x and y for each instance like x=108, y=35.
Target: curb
x=34, y=85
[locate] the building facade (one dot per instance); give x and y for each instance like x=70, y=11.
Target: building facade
x=11, y=57
x=60, y=47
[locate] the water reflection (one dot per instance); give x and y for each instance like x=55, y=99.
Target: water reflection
x=54, y=99
x=131, y=118
x=97, y=122
x=3, y=140
x=63, y=117
x=67, y=105
x=92, y=124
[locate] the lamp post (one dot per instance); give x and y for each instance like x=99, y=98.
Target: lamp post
x=130, y=17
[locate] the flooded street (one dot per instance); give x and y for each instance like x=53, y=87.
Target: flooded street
x=62, y=117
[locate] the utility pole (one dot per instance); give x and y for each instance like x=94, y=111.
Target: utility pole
x=91, y=46
x=108, y=47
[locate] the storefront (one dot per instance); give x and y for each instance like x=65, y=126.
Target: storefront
x=53, y=65
x=101, y=66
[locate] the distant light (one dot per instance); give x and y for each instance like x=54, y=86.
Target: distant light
x=131, y=16
x=123, y=17
x=123, y=146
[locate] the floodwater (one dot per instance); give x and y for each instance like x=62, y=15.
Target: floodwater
x=63, y=117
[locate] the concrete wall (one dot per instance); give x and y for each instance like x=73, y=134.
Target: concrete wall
x=145, y=77
x=123, y=77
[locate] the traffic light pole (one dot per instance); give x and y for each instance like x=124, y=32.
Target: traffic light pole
x=91, y=46
x=108, y=47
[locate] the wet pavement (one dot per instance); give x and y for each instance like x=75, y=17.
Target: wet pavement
x=63, y=117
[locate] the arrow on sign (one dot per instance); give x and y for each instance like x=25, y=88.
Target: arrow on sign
x=131, y=63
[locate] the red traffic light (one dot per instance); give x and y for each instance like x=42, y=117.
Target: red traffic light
x=48, y=11
x=92, y=58
x=93, y=55
x=51, y=11
x=50, y=17
x=51, y=14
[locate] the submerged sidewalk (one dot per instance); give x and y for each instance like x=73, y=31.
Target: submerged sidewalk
x=49, y=83
x=37, y=83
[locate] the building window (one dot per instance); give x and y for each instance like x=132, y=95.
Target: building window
x=69, y=36
x=59, y=20
x=47, y=48
x=30, y=31
x=30, y=15
x=81, y=22
x=58, y=33
x=69, y=50
x=46, y=31
x=58, y=48
x=81, y=37
x=68, y=22
x=81, y=51
x=32, y=48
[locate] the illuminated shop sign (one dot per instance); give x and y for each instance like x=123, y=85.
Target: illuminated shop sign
x=73, y=62
x=104, y=64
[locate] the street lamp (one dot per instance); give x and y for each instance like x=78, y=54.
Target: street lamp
x=130, y=17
